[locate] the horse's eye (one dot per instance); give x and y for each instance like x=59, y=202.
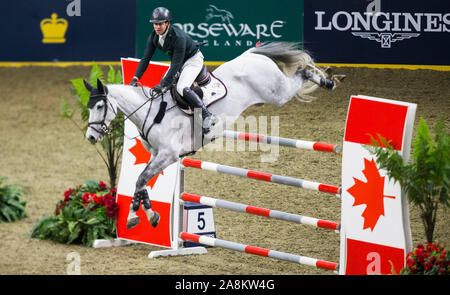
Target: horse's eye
x=99, y=107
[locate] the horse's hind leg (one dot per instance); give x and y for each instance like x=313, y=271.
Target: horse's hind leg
x=322, y=80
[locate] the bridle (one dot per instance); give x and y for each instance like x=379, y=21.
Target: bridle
x=104, y=129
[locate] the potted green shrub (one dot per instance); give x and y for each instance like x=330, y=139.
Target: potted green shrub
x=426, y=179
x=12, y=207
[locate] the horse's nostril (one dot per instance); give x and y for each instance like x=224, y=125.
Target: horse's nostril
x=91, y=138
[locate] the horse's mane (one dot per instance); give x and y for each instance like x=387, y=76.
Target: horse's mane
x=286, y=55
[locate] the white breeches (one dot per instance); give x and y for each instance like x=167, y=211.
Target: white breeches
x=190, y=71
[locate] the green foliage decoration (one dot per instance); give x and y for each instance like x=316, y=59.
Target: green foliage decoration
x=112, y=144
x=426, y=179
x=12, y=207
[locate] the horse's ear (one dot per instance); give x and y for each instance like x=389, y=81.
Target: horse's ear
x=87, y=85
x=100, y=86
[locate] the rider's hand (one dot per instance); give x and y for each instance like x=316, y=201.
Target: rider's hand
x=158, y=88
x=134, y=81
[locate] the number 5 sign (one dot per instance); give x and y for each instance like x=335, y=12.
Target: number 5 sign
x=198, y=219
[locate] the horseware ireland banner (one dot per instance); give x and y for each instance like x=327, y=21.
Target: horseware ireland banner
x=375, y=232
x=228, y=27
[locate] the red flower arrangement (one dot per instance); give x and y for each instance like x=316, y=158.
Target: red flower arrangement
x=96, y=194
x=432, y=259
x=87, y=212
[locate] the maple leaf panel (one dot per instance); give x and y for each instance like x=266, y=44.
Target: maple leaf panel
x=143, y=157
x=370, y=193
x=160, y=188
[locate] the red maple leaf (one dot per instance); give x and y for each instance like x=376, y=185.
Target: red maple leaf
x=140, y=153
x=143, y=157
x=370, y=193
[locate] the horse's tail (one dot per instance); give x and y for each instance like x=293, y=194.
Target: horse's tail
x=291, y=60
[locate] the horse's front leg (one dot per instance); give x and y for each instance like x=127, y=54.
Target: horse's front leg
x=155, y=166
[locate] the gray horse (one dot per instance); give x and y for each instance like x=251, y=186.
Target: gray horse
x=272, y=73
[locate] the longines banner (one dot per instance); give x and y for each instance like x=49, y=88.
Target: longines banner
x=413, y=32
x=67, y=30
x=228, y=27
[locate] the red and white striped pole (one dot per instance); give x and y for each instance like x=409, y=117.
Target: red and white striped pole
x=295, y=143
x=214, y=242
x=260, y=211
x=326, y=188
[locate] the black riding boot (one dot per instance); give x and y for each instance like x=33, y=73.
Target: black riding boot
x=195, y=102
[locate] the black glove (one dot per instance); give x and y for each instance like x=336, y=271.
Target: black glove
x=134, y=81
x=158, y=88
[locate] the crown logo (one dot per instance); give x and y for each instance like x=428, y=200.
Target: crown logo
x=54, y=29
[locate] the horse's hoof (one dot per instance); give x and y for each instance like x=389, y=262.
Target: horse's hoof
x=337, y=79
x=154, y=219
x=132, y=222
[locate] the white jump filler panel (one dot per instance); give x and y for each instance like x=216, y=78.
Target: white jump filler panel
x=375, y=228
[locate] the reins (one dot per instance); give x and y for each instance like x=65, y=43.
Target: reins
x=108, y=130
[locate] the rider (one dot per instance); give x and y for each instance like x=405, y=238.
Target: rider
x=185, y=57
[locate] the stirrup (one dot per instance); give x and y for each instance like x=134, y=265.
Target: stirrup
x=208, y=122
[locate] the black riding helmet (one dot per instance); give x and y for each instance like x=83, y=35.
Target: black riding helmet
x=160, y=15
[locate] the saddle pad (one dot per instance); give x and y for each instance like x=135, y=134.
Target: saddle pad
x=212, y=92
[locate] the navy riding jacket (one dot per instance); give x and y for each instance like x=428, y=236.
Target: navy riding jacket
x=177, y=44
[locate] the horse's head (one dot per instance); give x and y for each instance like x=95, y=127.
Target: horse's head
x=101, y=112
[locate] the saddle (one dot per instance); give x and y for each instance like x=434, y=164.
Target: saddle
x=209, y=88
